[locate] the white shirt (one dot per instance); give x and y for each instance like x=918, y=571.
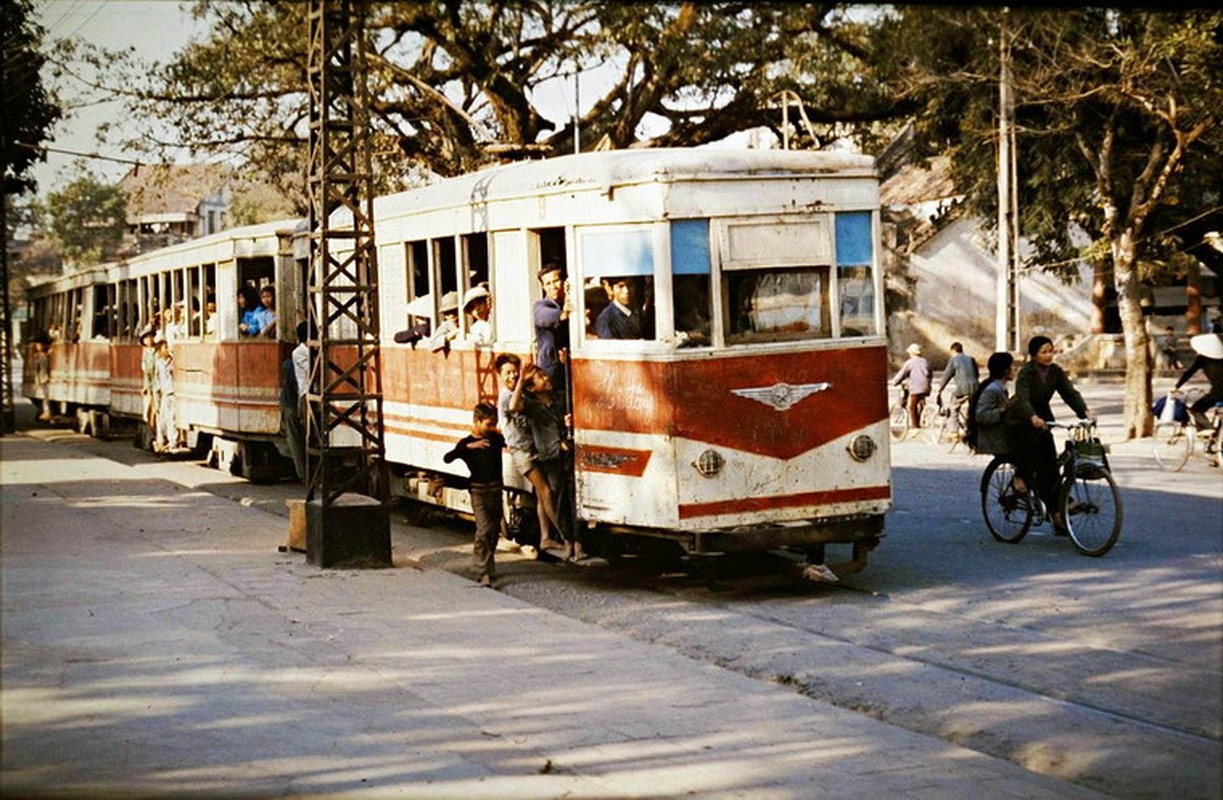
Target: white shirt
x=301, y=368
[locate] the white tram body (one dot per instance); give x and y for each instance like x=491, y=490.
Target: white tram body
x=753, y=412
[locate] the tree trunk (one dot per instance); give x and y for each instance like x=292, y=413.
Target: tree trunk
x=1138, y=419
x=1193, y=298
x=1099, y=294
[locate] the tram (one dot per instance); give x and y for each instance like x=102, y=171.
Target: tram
x=751, y=414
x=226, y=386
x=748, y=413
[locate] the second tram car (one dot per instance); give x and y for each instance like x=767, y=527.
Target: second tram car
x=225, y=385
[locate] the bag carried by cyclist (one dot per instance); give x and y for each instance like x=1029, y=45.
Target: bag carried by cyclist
x=1174, y=411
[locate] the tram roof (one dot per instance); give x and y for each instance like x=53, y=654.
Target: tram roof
x=624, y=167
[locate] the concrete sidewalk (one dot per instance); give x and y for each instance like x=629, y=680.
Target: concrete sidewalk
x=156, y=644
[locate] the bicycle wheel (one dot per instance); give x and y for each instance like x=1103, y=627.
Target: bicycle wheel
x=898, y=422
x=931, y=423
x=1090, y=506
x=1172, y=443
x=950, y=427
x=1007, y=514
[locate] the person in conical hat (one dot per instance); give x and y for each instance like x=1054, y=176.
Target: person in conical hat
x=1209, y=349
x=477, y=303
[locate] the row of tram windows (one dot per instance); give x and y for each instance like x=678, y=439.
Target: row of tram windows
x=782, y=277
x=180, y=304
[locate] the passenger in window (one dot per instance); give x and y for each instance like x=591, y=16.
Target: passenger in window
x=176, y=325
x=250, y=321
x=477, y=304
x=623, y=317
x=267, y=312
x=210, y=317
x=596, y=300
x=448, y=328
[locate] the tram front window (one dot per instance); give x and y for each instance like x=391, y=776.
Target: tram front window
x=767, y=305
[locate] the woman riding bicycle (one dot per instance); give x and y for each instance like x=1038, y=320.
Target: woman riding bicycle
x=1209, y=349
x=1032, y=445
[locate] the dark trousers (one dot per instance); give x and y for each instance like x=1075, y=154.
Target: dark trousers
x=295, y=434
x=915, y=401
x=486, y=506
x=1035, y=455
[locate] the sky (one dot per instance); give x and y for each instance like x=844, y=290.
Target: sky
x=155, y=28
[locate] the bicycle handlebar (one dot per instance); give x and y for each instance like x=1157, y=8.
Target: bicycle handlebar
x=1080, y=424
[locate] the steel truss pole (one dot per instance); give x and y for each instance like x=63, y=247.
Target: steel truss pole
x=348, y=523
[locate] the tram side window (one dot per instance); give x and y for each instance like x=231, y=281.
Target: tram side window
x=620, y=264
x=855, y=284
x=254, y=276
x=690, y=281
x=102, y=302
x=420, y=302
x=777, y=279
x=210, y=318
x=477, y=299
x=76, y=320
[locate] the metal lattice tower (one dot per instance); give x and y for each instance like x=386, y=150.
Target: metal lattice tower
x=344, y=432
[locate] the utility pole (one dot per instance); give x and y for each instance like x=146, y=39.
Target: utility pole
x=347, y=518
x=1006, y=331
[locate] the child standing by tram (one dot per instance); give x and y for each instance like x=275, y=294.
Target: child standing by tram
x=481, y=452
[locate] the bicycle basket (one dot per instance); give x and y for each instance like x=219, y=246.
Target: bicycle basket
x=1090, y=457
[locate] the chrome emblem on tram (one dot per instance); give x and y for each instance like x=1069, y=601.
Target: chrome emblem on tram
x=781, y=396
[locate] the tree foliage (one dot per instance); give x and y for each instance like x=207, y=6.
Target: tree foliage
x=1118, y=133
x=455, y=85
x=86, y=219
x=30, y=110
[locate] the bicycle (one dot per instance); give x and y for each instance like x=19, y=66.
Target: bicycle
x=1174, y=442
x=949, y=423
x=1088, y=506
x=898, y=416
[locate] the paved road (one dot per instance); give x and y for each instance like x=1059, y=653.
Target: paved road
x=1101, y=674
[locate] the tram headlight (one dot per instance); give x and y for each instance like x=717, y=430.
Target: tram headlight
x=862, y=447
x=709, y=463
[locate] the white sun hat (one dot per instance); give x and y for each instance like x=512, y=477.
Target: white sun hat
x=1208, y=344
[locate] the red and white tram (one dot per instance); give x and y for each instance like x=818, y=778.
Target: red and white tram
x=754, y=414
